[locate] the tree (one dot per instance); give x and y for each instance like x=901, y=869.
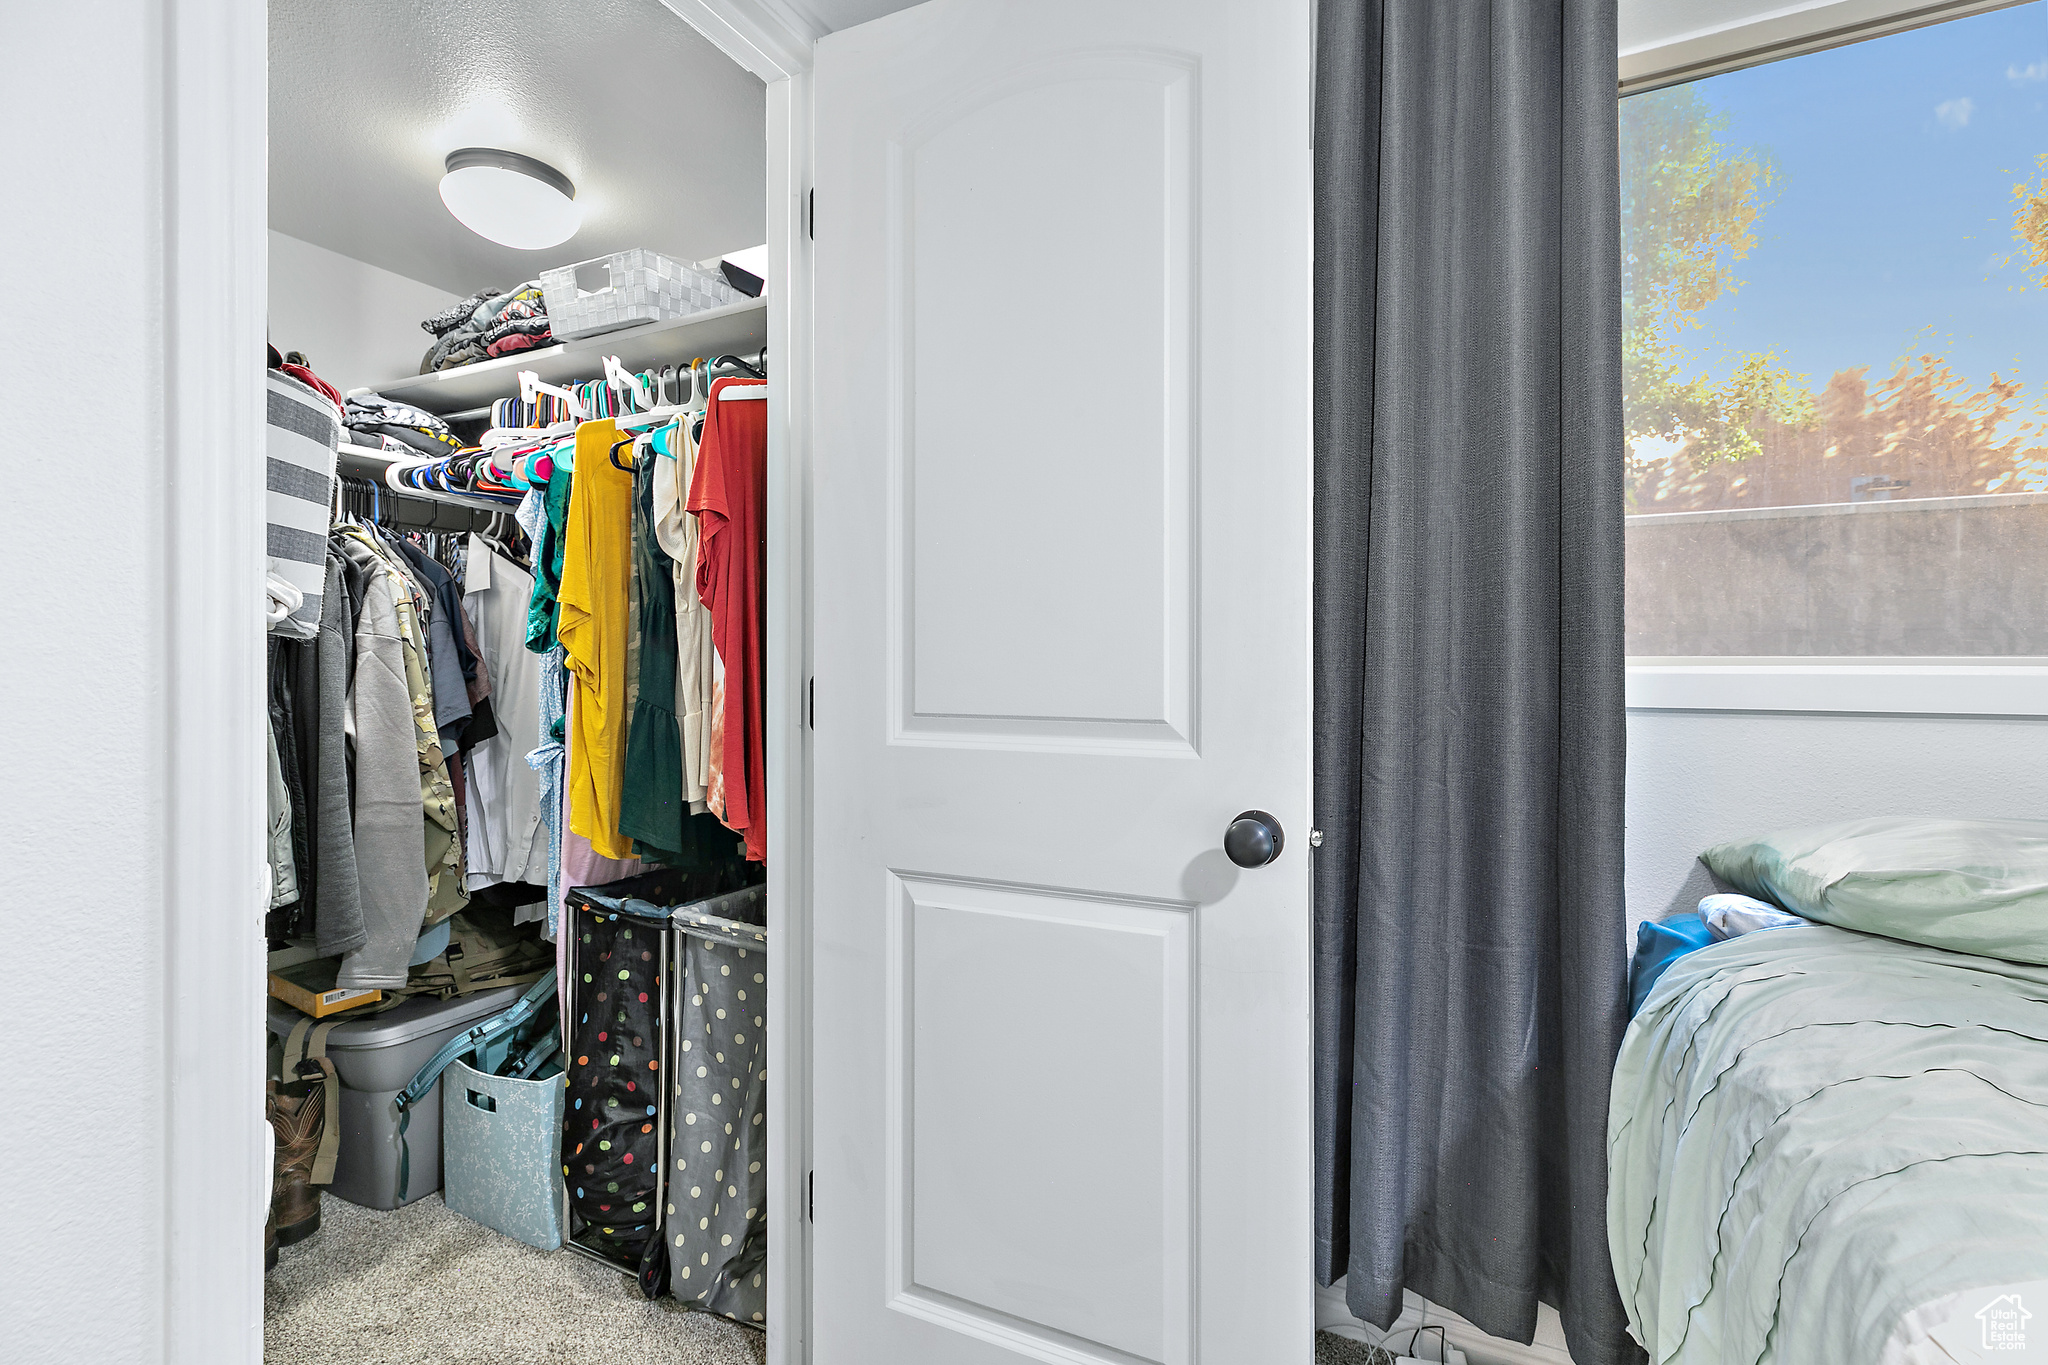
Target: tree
x=2030, y=222
x=1758, y=436
x=1925, y=429
x=1689, y=205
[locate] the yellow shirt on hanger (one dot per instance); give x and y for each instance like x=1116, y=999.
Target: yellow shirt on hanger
x=597, y=568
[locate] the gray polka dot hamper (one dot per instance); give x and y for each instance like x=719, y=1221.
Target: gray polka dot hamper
x=716, y=1210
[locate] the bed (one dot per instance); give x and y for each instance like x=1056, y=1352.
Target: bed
x=1827, y=1146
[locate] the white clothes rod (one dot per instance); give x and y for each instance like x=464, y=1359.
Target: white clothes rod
x=750, y=389
x=383, y=475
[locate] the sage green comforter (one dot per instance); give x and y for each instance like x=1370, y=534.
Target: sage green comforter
x=1825, y=1145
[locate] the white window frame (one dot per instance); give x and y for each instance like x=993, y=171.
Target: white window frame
x=1774, y=33
x=1908, y=686
x=1946, y=687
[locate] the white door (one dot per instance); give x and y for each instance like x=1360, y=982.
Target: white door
x=1061, y=1041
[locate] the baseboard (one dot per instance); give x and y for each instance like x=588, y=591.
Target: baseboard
x=1332, y=1315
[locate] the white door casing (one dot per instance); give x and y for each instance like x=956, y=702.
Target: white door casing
x=1061, y=1044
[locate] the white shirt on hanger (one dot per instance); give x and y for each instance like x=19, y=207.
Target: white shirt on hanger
x=507, y=842
x=676, y=529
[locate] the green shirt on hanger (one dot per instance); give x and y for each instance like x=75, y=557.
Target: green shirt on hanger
x=653, y=807
x=545, y=614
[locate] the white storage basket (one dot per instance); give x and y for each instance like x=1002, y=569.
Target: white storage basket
x=626, y=289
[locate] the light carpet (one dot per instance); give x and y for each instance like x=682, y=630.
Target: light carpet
x=423, y=1286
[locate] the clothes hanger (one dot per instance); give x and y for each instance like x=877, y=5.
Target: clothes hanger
x=656, y=415
x=640, y=421
x=498, y=438
x=740, y=392
x=622, y=380
x=655, y=410
x=741, y=364
x=531, y=388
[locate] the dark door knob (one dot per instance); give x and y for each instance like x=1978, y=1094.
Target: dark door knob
x=1253, y=839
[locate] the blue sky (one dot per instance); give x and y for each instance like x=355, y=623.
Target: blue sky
x=1894, y=201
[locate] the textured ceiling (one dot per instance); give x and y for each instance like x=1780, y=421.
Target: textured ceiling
x=663, y=135
x=829, y=16
x=1643, y=22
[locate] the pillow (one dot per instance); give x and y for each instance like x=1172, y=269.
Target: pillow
x=1730, y=916
x=1658, y=945
x=1973, y=886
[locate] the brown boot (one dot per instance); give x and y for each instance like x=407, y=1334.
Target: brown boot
x=270, y=1212
x=295, y=1199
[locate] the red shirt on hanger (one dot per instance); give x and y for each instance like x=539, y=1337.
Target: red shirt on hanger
x=729, y=494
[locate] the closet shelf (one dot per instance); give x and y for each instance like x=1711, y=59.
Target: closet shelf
x=739, y=327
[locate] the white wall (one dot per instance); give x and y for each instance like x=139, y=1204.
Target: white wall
x=83, y=855
x=131, y=751
x=358, y=324
x=1698, y=778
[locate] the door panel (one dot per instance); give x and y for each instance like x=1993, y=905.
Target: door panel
x=1061, y=1048
x=1117, y=556
x=1030, y=1119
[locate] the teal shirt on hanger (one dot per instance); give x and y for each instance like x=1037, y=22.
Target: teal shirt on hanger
x=544, y=616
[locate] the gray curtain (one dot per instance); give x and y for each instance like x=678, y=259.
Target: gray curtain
x=1469, y=725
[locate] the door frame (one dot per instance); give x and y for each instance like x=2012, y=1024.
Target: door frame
x=211, y=257
x=214, y=265
x=770, y=40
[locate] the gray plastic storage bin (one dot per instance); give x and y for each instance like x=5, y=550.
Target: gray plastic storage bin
x=375, y=1058
x=501, y=1145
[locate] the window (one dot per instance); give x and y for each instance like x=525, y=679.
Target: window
x=1835, y=305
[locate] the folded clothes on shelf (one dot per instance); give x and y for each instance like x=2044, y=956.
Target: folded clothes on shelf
x=488, y=323
x=380, y=416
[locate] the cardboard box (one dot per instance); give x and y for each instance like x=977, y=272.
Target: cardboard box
x=309, y=988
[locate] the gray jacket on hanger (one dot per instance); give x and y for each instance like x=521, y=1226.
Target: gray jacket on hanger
x=338, y=904
x=391, y=868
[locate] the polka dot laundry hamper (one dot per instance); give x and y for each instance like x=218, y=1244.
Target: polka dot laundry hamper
x=717, y=1201
x=664, y=1129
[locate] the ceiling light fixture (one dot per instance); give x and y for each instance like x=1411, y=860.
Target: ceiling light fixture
x=511, y=199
